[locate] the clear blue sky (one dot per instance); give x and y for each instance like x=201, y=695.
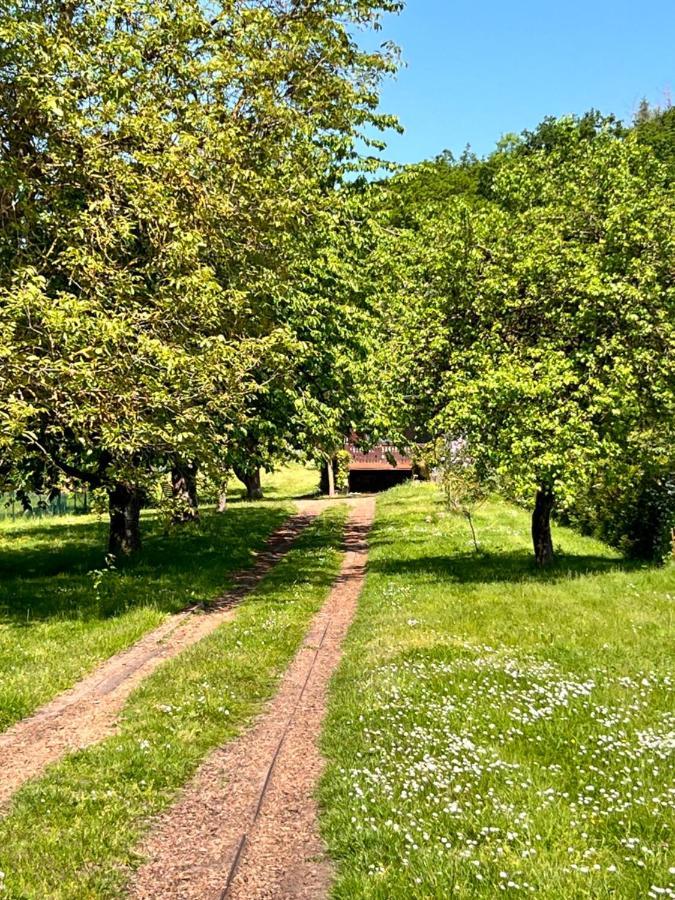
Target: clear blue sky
x=475, y=71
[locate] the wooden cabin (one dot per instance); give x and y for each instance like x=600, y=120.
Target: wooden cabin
x=377, y=469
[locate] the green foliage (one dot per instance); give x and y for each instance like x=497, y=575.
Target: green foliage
x=190, y=273
x=168, y=194
x=427, y=185
x=342, y=461
x=631, y=510
x=655, y=128
x=540, y=326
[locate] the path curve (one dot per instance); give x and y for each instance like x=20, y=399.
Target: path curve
x=88, y=712
x=249, y=816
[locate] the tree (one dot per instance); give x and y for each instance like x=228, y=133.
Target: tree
x=463, y=485
x=321, y=392
x=655, y=127
x=539, y=327
x=160, y=161
x=575, y=332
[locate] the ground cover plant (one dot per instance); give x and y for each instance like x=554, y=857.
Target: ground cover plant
x=62, y=610
x=72, y=833
x=495, y=728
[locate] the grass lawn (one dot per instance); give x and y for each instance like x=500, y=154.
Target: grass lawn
x=72, y=833
x=293, y=480
x=494, y=729
x=60, y=614
x=62, y=611
x=290, y=482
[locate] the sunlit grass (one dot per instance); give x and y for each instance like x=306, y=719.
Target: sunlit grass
x=73, y=832
x=495, y=729
x=62, y=610
x=291, y=481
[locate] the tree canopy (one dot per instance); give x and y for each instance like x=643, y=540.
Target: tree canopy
x=168, y=171
x=192, y=276
x=534, y=318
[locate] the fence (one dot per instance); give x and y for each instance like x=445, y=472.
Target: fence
x=64, y=504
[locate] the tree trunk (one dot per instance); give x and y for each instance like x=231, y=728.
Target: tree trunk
x=184, y=487
x=330, y=471
x=473, y=531
x=327, y=478
x=251, y=480
x=222, y=500
x=541, y=527
x=125, y=503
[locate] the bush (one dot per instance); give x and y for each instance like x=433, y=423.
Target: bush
x=635, y=513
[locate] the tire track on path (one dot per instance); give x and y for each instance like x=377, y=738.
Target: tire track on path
x=245, y=827
x=87, y=712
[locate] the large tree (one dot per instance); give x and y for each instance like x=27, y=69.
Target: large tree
x=162, y=163
x=540, y=326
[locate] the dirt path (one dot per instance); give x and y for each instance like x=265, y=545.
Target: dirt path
x=246, y=827
x=88, y=712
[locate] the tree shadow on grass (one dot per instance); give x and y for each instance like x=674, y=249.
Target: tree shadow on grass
x=502, y=566
x=52, y=573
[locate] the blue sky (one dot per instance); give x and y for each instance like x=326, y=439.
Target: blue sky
x=475, y=71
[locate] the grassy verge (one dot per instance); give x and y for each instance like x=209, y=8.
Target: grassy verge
x=494, y=729
x=71, y=833
x=62, y=612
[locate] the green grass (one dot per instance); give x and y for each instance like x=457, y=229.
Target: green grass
x=58, y=618
x=498, y=730
x=62, y=611
x=72, y=833
x=292, y=481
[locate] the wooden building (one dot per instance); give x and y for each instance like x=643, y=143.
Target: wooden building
x=377, y=469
